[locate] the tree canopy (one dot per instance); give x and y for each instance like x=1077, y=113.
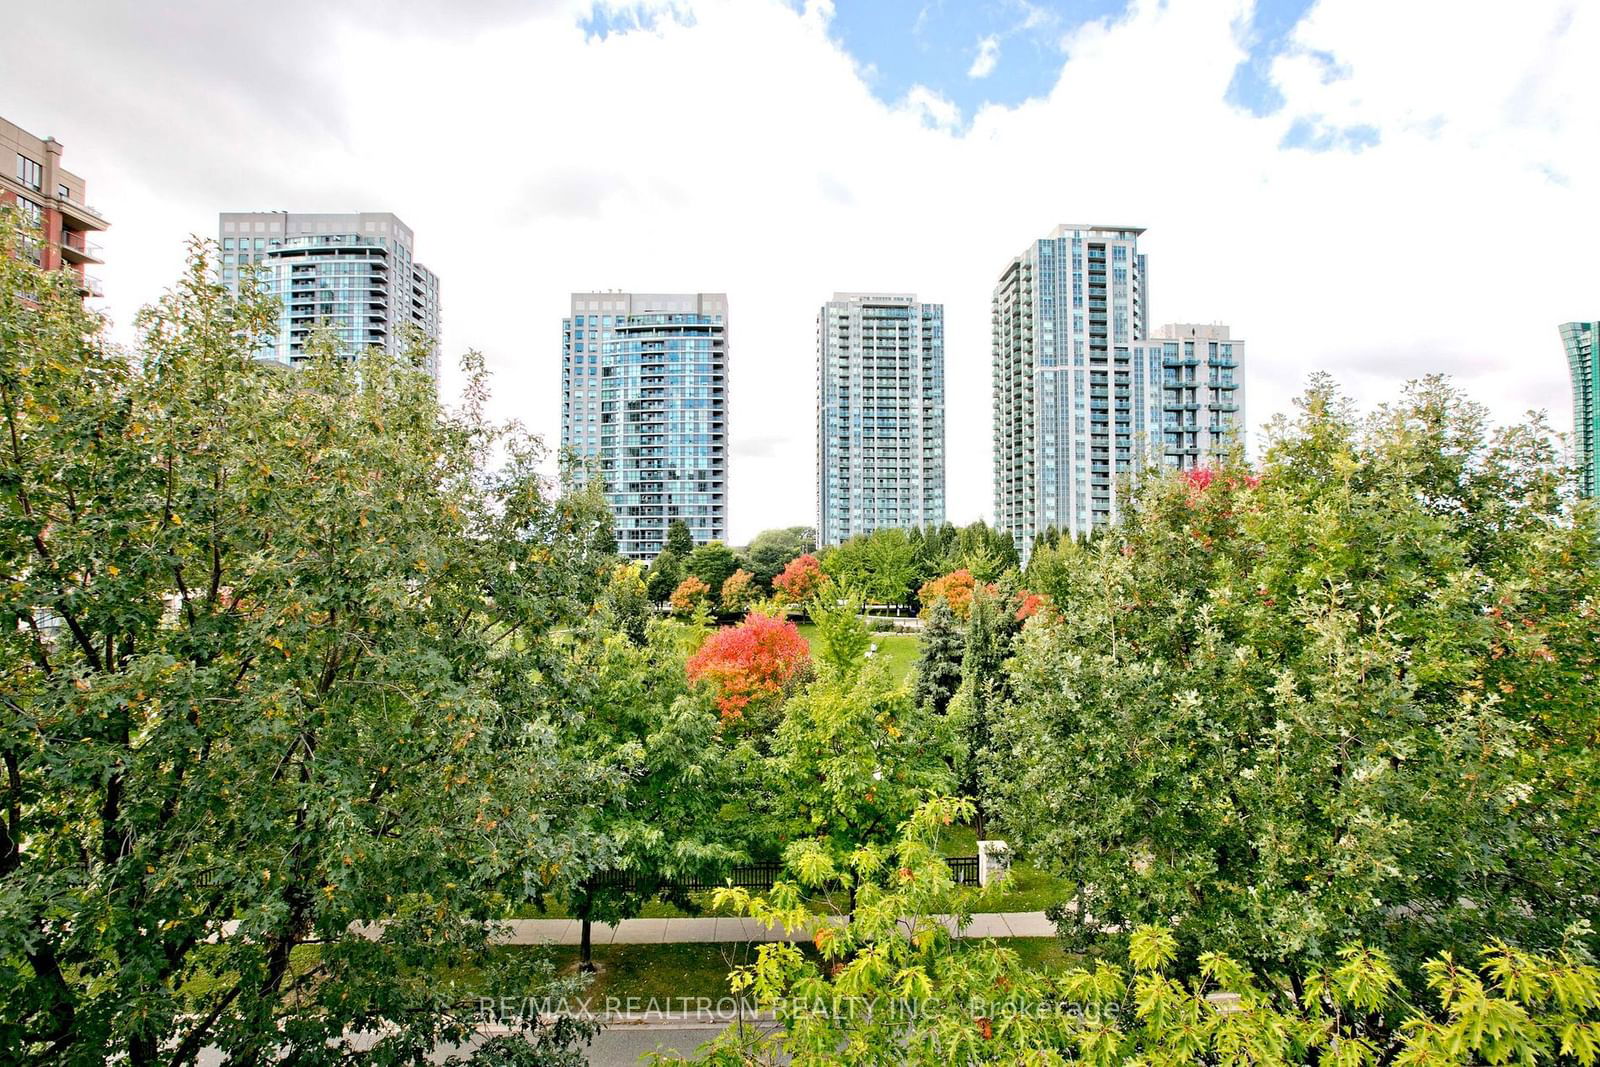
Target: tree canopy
x=1348, y=698
x=771, y=550
x=273, y=655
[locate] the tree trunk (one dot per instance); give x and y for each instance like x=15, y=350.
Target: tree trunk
x=585, y=943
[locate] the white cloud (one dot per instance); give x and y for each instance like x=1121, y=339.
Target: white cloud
x=988, y=57
x=738, y=149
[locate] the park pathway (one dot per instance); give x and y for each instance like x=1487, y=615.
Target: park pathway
x=721, y=928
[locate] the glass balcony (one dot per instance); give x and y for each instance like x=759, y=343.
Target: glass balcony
x=76, y=248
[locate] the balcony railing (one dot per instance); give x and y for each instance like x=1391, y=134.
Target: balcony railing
x=79, y=209
x=79, y=247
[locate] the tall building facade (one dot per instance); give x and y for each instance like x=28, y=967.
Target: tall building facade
x=880, y=415
x=54, y=201
x=352, y=273
x=1076, y=396
x=1202, y=383
x=644, y=407
x=1583, y=357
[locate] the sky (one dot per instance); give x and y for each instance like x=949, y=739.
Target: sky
x=1376, y=188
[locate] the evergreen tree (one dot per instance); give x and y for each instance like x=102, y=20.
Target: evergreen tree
x=939, y=660
x=991, y=630
x=679, y=539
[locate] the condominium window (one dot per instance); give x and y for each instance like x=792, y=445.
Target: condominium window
x=29, y=172
x=31, y=211
x=63, y=192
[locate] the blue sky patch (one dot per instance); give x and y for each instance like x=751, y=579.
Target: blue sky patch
x=603, y=19
x=971, y=52
x=1315, y=135
x=976, y=52
x=1266, y=37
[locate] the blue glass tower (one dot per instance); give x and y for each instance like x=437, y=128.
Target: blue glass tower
x=644, y=407
x=352, y=274
x=1582, y=342
x=880, y=414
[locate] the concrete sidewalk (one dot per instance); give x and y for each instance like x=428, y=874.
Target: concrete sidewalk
x=714, y=929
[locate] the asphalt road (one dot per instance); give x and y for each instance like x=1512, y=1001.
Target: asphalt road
x=619, y=1045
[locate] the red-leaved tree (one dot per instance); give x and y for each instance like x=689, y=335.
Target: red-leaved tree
x=1030, y=604
x=749, y=663
x=799, y=579
x=1199, y=479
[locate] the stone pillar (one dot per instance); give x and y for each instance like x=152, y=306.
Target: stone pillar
x=994, y=861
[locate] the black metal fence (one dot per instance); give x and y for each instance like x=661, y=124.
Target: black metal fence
x=964, y=869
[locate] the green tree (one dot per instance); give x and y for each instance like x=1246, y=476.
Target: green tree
x=882, y=564
x=679, y=540
x=985, y=551
x=771, y=551
x=665, y=574
x=893, y=566
x=853, y=757
x=625, y=606
x=713, y=563
x=991, y=632
x=632, y=711
x=1352, y=701
x=939, y=658
x=1049, y=568
x=835, y=610
x=271, y=648
x=941, y=549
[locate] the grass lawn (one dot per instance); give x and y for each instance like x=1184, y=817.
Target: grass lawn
x=659, y=972
x=667, y=972
x=1026, y=888
x=899, y=650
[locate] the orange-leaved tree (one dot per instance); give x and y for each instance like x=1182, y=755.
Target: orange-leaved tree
x=750, y=663
x=736, y=591
x=799, y=579
x=690, y=594
x=955, y=589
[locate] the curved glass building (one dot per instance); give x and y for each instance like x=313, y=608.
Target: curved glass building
x=644, y=406
x=351, y=273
